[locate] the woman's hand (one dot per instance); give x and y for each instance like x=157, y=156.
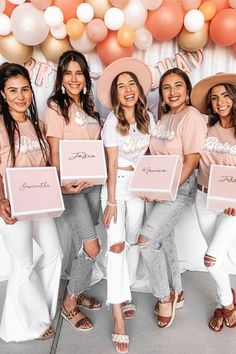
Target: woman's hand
x=5, y=212
x=230, y=211
x=109, y=213
x=75, y=187
x=147, y=199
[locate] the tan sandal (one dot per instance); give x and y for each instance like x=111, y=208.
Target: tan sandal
x=179, y=304
x=128, y=308
x=47, y=334
x=227, y=313
x=70, y=316
x=218, y=315
x=87, y=302
x=120, y=338
x=168, y=320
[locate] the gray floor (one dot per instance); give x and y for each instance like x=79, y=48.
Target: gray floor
x=188, y=334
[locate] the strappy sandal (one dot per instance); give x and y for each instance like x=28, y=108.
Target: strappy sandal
x=227, y=313
x=120, y=338
x=126, y=308
x=47, y=334
x=70, y=315
x=179, y=303
x=168, y=320
x=218, y=315
x=87, y=302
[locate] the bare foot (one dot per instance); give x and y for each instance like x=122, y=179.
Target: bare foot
x=216, y=321
x=119, y=329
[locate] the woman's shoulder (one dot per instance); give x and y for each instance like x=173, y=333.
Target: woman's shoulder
x=190, y=110
x=111, y=119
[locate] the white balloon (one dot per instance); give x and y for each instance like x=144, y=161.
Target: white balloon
x=84, y=44
x=114, y=18
x=85, y=12
x=143, y=39
x=53, y=16
x=2, y=6
x=5, y=27
x=152, y=4
x=135, y=14
x=17, y=2
x=194, y=20
x=59, y=32
x=232, y=3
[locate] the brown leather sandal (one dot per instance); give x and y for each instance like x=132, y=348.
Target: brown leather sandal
x=70, y=316
x=168, y=320
x=218, y=315
x=179, y=304
x=227, y=313
x=87, y=302
x=47, y=334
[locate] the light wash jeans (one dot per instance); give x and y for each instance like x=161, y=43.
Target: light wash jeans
x=219, y=230
x=81, y=213
x=159, y=254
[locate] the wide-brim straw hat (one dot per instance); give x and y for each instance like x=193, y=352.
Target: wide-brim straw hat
x=136, y=66
x=200, y=90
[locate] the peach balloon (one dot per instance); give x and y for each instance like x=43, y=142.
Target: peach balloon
x=109, y=50
x=41, y=4
x=188, y=5
x=14, y=51
x=9, y=7
x=223, y=27
x=126, y=36
x=96, y=30
x=100, y=7
x=68, y=7
x=208, y=9
x=52, y=48
x=119, y=3
x=165, y=22
x=192, y=41
x=220, y=4
x=74, y=28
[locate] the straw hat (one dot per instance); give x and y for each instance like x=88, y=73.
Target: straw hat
x=136, y=66
x=200, y=90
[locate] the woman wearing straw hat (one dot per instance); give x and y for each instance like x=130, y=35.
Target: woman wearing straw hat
x=126, y=134
x=216, y=96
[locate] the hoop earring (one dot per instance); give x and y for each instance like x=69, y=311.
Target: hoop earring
x=63, y=90
x=85, y=90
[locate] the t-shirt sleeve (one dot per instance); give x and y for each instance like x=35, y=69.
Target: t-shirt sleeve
x=109, y=134
x=53, y=123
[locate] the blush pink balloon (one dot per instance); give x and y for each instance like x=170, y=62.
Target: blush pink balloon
x=96, y=30
x=223, y=27
x=188, y=5
x=2, y=6
x=118, y=3
x=41, y=4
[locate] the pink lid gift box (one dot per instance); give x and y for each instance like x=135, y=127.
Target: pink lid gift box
x=221, y=187
x=82, y=160
x=33, y=192
x=157, y=177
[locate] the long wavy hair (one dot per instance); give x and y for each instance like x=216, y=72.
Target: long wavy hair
x=214, y=117
x=164, y=108
x=61, y=98
x=141, y=114
x=8, y=71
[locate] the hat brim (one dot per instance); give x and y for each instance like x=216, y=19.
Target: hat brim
x=200, y=90
x=136, y=66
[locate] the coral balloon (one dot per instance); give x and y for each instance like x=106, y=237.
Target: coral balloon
x=135, y=14
x=9, y=7
x=74, y=28
x=220, y=4
x=190, y=41
x=143, y=39
x=119, y=3
x=188, y=5
x=52, y=48
x=96, y=30
x=2, y=6
x=232, y=3
x=165, y=22
x=109, y=50
x=152, y=4
x=83, y=44
x=126, y=36
x=100, y=7
x=223, y=27
x=208, y=9
x=68, y=7
x=20, y=54
x=41, y=4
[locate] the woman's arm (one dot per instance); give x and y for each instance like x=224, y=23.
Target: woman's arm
x=5, y=209
x=189, y=165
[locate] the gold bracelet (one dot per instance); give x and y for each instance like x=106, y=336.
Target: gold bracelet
x=111, y=204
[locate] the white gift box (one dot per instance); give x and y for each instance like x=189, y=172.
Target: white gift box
x=33, y=192
x=157, y=177
x=221, y=187
x=82, y=160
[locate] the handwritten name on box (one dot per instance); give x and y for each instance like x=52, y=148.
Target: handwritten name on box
x=82, y=160
x=157, y=177
x=222, y=187
x=33, y=192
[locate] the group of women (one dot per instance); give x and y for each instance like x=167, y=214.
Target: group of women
x=134, y=225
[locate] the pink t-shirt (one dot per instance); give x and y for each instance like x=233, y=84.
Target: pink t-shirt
x=80, y=126
x=219, y=148
x=180, y=134
x=29, y=154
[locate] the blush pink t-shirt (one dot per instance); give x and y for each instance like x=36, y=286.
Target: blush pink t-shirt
x=219, y=148
x=180, y=134
x=80, y=126
x=29, y=153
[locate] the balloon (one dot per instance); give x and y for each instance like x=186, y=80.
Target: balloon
x=188, y=5
x=152, y=4
x=2, y=6
x=83, y=44
x=85, y=13
x=234, y=48
x=59, y=32
x=109, y=50
x=74, y=28
x=220, y=4
x=100, y=7
x=194, y=20
x=208, y=9
x=28, y=24
x=17, y=2
x=192, y=42
x=41, y=4
x=9, y=8
x=114, y=19
x=5, y=27
x=52, y=48
x=223, y=27
x=126, y=36
x=53, y=16
x=165, y=22
x=119, y=3
x=68, y=7
x=96, y=30
x=232, y=3
x=20, y=54
x=143, y=39
x=135, y=14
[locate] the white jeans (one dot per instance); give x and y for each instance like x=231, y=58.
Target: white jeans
x=32, y=290
x=121, y=267
x=219, y=230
